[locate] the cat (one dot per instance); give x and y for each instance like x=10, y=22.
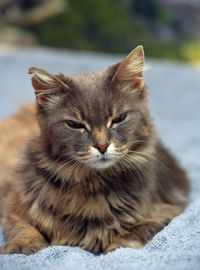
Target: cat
x=94, y=175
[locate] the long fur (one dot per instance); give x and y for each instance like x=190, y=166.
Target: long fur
x=49, y=193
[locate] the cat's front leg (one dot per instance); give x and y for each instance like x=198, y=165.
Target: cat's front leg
x=21, y=246
x=21, y=237
x=123, y=243
x=147, y=228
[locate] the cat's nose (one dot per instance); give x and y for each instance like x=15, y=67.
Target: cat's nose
x=102, y=147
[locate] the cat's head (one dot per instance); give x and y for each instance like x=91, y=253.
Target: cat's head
x=97, y=118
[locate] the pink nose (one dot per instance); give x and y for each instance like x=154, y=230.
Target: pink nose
x=102, y=147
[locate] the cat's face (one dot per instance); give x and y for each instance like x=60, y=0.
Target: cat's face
x=95, y=118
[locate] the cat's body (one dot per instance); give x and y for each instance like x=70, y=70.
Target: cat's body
x=95, y=176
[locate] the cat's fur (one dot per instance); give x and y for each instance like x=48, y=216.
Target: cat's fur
x=101, y=182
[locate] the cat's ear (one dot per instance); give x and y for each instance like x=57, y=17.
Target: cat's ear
x=45, y=84
x=130, y=70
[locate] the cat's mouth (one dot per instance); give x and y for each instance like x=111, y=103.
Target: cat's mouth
x=101, y=163
x=99, y=160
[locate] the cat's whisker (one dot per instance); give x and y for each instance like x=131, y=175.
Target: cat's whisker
x=154, y=159
x=135, y=167
x=59, y=168
x=63, y=156
x=138, y=141
x=75, y=167
x=79, y=167
x=130, y=142
x=68, y=172
x=119, y=149
x=124, y=162
x=140, y=162
x=121, y=164
x=120, y=155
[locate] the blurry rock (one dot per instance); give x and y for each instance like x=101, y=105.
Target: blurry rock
x=27, y=12
x=43, y=11
x=10, y=36
x=18, y=14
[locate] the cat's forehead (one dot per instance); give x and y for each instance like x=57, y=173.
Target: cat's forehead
x=94, y=99
x=92, y=89
x=90, y=80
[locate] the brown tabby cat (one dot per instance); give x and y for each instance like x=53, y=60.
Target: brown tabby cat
x=94, y=175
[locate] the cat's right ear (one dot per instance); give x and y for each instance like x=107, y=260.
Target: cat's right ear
x=45, y=84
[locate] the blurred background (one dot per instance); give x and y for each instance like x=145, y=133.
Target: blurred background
x=168, y=29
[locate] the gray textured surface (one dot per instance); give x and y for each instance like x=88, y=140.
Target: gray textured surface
x=176, y=247
x=174, y=98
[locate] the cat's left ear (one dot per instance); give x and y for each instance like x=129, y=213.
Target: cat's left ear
x=130, y=70
x=45, y=84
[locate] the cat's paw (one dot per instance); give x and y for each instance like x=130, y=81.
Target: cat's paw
x=111, y=247
x=123, y=243
x=26, y=248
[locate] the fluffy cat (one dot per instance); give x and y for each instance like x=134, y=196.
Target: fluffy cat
x=94, y=175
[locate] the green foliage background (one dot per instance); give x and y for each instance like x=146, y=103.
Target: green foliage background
x=106, y=26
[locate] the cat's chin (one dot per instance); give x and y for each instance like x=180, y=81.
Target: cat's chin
x=101, y=164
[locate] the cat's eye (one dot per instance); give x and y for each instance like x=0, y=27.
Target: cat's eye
x=119, y=119
x=75, y=125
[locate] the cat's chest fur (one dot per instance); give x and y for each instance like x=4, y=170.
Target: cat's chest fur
x=93, y=220
x=90, y=219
